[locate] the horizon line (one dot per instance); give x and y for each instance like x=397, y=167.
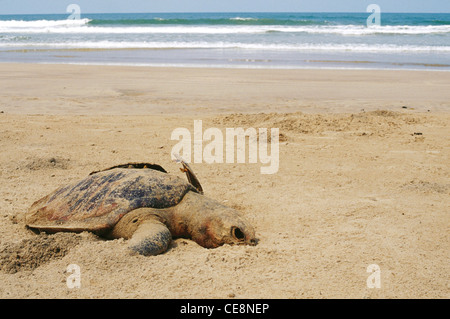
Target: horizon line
x=156, y=12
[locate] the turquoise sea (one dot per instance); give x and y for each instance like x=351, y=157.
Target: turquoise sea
x=246, y=40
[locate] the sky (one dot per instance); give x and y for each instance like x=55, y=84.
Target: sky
x=122, y=6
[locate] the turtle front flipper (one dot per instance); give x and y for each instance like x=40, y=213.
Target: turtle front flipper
x=146, y=234
x=151, y=238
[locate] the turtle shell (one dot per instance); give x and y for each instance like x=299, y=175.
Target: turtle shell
x=97, y=202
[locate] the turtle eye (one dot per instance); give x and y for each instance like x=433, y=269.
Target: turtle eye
x=237, y=233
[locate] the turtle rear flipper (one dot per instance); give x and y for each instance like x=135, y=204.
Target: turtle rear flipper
x=189, y=173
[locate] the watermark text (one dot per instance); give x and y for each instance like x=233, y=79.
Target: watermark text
x=231, y=148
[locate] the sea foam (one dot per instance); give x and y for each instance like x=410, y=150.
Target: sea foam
x=82, y=26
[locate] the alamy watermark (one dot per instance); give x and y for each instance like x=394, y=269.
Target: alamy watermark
x=220, y=148
x=75, y=11
x=374, y=279
x=375, y=18
x=74, y=279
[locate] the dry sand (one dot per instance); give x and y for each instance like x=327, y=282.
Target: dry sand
x=363, y=179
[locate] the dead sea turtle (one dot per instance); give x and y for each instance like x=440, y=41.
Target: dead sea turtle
x=140, y=202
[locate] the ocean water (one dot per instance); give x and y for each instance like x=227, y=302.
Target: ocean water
x=246, y=40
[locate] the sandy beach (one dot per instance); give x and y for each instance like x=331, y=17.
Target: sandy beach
x=363, y=179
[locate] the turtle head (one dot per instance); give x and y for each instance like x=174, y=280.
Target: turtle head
x=212, y=224
x=226, y=226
